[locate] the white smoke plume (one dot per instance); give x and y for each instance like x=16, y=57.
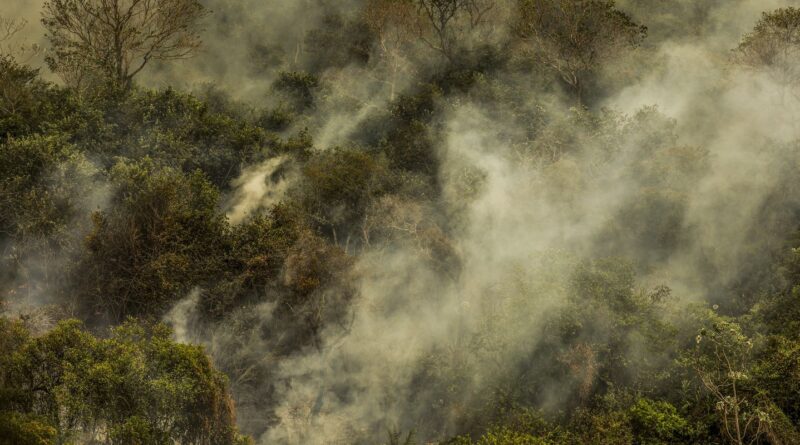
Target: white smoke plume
x=259, y=187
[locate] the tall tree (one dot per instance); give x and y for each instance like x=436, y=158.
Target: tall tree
x=448, y=24
x=115, y=39
x=393, y=22
x=774, y=46
x=723, y=362
x=574, y=38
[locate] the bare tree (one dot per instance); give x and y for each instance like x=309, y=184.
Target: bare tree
x=394, y=23
x=115, y=39
x=9, y=44
x=9, y=27
x=575, y=37
x=16, y=79
x=448, y=23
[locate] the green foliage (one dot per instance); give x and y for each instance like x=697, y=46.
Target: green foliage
x=45, y=188
x=112, y=198
x=407, y=141
x=258, y=250
x=723, y=361
x=276, y=119
x=41, y=178
x=614, y=419
x=503, y=436
x=21, y=101
x=299, y=88
x=774, y=45
x=338, y=185
x=575, y=39
x=606, y=282
x=606, y=318
x=658, y=422
x=175, y=129
x=25, y=429
x=777, y=373
x=779, y=311
x=30, y=105
x=518, y=427
x=181, y=131
x=137, y=386
x=161, y=236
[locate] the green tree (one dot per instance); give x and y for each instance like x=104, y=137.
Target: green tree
x=774, y=46
x=338, y=186
x=21, y=429
x=185, y=132
x=26, y=102
x=17, y=86
x=45, y=188
x=161, y=235
x=40, y=180
x=658, y=422
x=137, y=386
x=259, y=247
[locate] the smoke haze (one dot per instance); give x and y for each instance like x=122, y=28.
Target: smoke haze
x=686, y=168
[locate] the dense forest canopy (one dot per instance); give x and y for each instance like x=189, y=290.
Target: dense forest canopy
x=465, y=222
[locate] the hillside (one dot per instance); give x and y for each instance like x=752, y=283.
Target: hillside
x=464, y=222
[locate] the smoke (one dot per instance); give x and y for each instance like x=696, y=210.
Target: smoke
x=717, y=156
x=747, y=120
x=717, y=24
x=27, y=11
x=690, y=177
x=411, y=318
x=182, y=318
x=48, y=228
x=259, y=187
x=247, y=43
